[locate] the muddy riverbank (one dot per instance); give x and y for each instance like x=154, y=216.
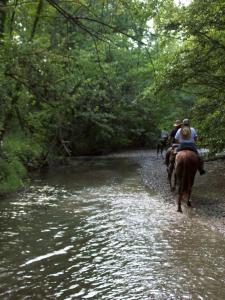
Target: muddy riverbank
x=208, y=196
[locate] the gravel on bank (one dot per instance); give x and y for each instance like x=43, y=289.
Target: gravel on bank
x=208, y=194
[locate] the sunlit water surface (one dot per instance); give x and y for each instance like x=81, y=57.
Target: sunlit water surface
x=93, y=231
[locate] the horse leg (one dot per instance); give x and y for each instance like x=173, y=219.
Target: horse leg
x=188, y=201
x=179, y=202
x=169, y=177
x=167, y=158
x=175, y=182
x=157, y=151
x=170, y=174
x=170, y=170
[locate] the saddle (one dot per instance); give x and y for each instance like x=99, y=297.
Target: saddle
x=171, y=157
x=187, y=147
x=173, y=152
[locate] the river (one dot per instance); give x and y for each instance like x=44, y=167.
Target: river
x=94, y=230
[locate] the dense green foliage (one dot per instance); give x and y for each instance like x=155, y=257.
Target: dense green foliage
x=89, y=77
x=195, y=66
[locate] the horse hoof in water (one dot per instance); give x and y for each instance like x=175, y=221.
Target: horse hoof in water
x=179, y=210
x=173, y=189
x=189, y=204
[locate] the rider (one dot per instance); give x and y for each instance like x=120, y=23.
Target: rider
x=176, y=126
x=186, y=136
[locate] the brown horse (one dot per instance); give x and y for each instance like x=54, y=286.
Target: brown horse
x=170, y=163
x=186, y=166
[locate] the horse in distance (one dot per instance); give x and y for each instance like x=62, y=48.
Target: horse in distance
x=162, y=144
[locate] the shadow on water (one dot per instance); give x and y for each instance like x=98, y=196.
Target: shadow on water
x=91, y=230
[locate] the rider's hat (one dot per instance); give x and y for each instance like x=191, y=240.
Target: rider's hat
x=186, y=122
x=177, y=123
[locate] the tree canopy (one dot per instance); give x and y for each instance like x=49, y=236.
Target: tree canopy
x=89, y=77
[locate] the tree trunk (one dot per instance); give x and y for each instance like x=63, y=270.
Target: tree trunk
x=37, y=17
x=2, y=18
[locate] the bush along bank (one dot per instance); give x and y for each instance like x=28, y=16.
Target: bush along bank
x=18, y=155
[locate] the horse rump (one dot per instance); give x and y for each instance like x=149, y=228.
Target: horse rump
x=186, y=166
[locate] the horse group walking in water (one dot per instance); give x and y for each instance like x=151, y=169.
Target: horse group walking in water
x=182, y=169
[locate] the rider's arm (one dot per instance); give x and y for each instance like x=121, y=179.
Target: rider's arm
x=194, y=134
x=177, y=136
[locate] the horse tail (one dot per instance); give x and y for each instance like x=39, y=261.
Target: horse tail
x=186, y=179
x=186, y=170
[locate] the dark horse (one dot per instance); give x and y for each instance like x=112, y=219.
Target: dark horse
x=170, y=164
x=162, y=145
x=186, y=166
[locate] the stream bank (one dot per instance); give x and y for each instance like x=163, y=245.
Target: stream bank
x=208, y=194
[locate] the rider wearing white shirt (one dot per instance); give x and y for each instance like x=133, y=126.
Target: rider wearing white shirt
x=191, y=139
x=187, y=137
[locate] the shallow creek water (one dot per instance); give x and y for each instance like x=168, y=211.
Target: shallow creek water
x=92, y=230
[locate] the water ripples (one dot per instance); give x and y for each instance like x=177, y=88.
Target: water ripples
x=105, y=241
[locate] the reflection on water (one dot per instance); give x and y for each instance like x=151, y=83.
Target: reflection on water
x=92, y=231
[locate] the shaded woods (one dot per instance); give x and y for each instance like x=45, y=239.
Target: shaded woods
x=90, y=77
